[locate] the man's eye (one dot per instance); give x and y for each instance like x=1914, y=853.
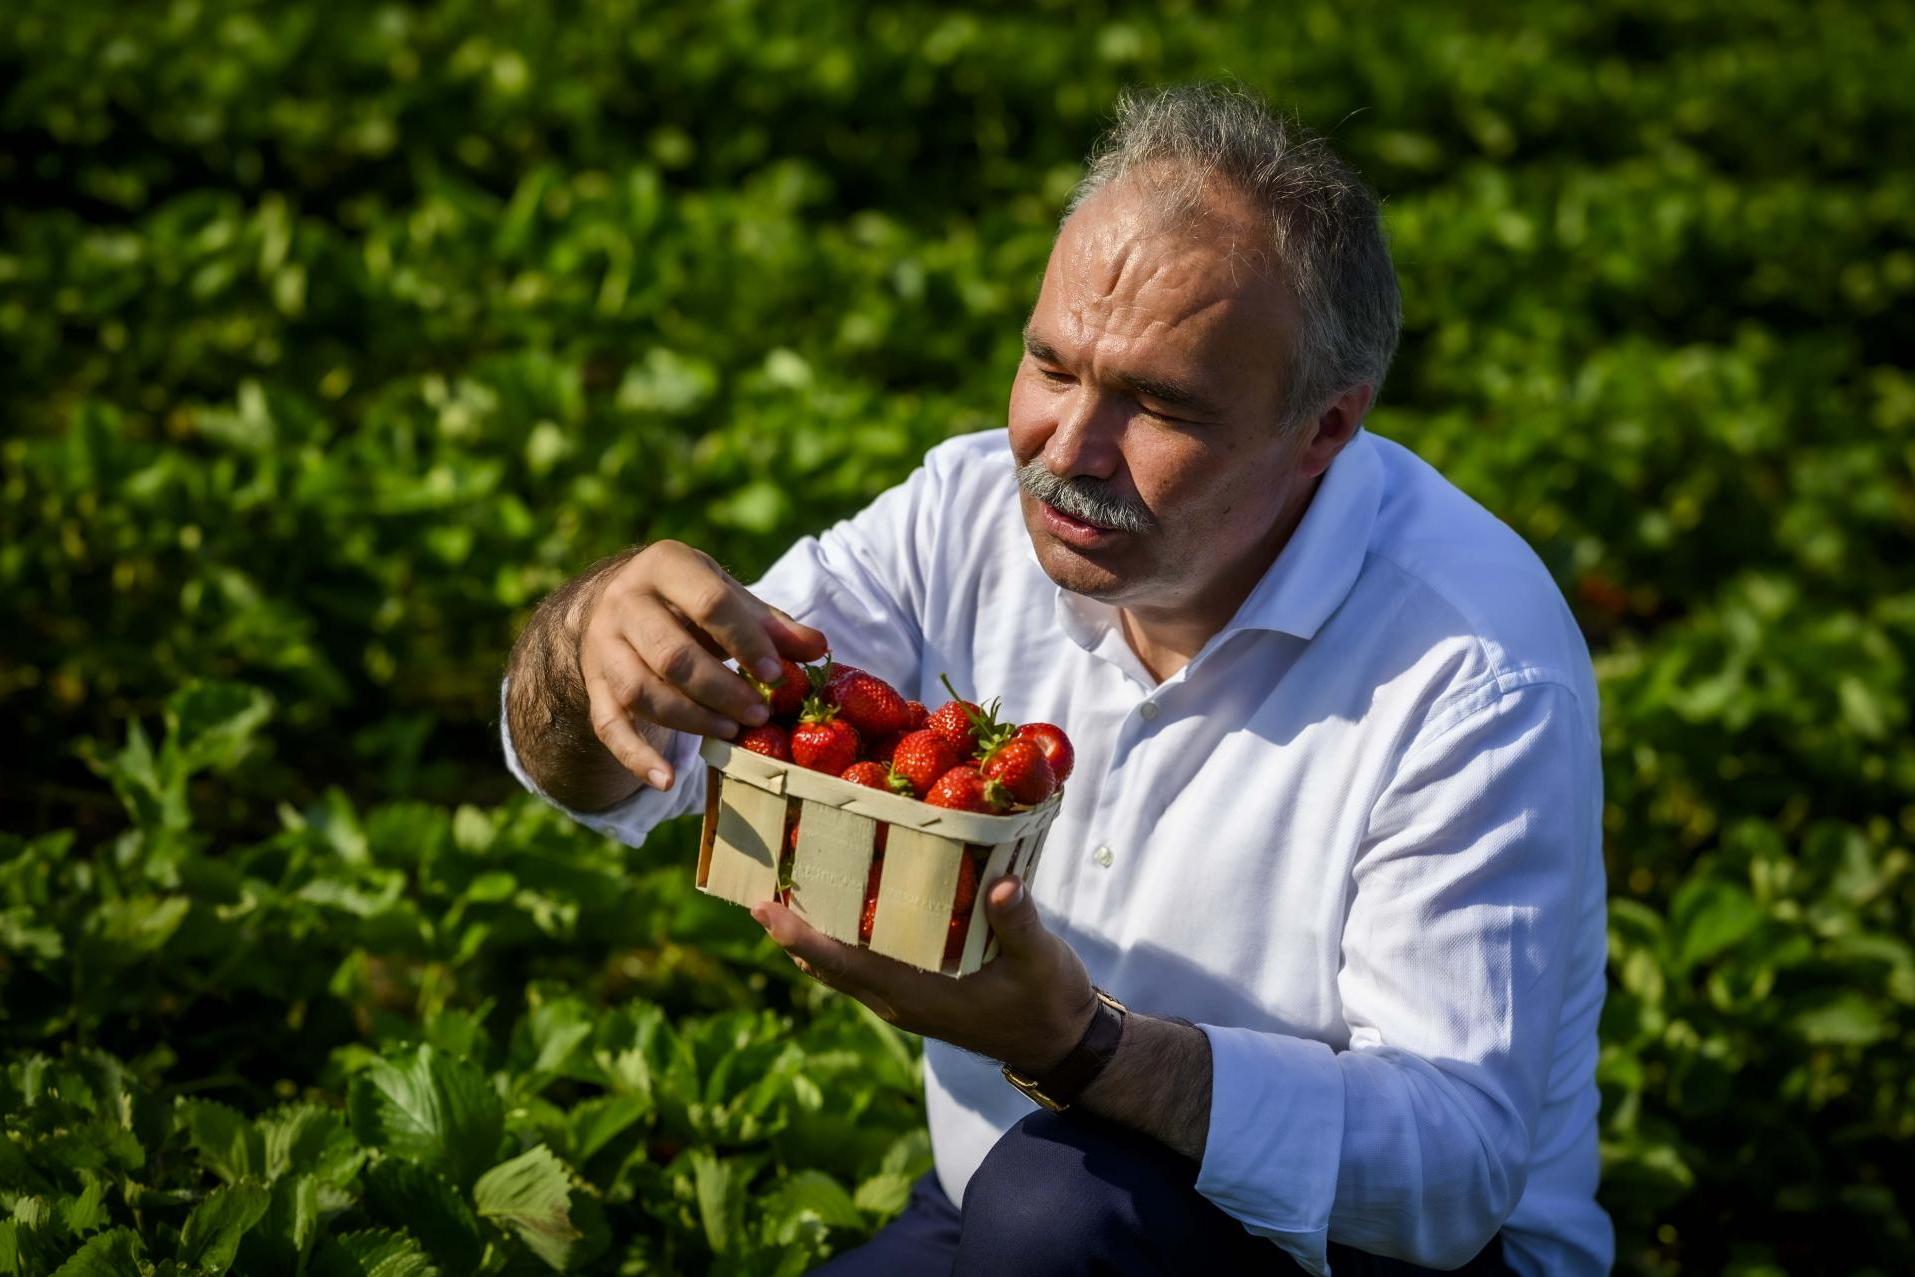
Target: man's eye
x=1051, y=374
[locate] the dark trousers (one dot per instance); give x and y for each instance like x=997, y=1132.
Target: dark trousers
x=1067, y=1195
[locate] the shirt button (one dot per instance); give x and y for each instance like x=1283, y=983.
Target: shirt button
x=1149, y=710
x=1102, y=856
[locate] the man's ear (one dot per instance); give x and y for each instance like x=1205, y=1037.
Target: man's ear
x=1335, y=426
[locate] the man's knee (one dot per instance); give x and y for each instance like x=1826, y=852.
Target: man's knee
x=1054, y=1190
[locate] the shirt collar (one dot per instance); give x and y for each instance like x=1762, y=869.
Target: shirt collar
x=1311, y=575
x=1319, y=564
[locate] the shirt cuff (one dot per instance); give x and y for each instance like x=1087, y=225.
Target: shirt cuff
x=1276, y=1138
x=628, y=821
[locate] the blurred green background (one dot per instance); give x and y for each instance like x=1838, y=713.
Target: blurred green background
x=333, y=335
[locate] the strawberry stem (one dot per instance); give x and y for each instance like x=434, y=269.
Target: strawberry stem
x=990, y=732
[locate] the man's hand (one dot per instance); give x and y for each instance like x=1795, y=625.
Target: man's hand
x=1027, y=1008
x=652, y=645
x=614, y=662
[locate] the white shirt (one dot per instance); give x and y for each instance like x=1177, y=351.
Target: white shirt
x=1357, y=839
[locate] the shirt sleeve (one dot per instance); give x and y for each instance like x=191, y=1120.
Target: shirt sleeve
x=861, y=582
x=1414, y=1142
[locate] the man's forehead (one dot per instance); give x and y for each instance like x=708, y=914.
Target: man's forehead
x=1120, y=265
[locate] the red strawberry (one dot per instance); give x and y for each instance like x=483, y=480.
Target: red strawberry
x=920, y=758
x=869, y=703
x=953, y=720
x=828, y=746
x=871, y=886
x=975, y=730
x=916, y=716
x=961, y=906
x=1020, y=767
x=786, y=696
x=869, y=774
x=769, y=740
x=963, y=788
x=882, y=749
x=1056, y=746
x=822, y=741
x=967, y=882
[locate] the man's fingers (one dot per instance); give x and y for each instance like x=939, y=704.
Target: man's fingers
x=724, y=609
x=613, y=726
x=883, y=984
x=683, y=664
x=794, y=638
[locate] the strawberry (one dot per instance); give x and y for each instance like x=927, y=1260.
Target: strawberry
x=916, y=716
x=967, y=882
x=787, y=695
x=952, y=721
x=866, y=701
x=829, y=745
x=871, y=886
x=822, y=741
x=1056, y=746
x=882, y=749
x=869, y=774
x=961, y=907
x=963, y=788
x=1020, y=767
x=920, y=758
x=770, y=740
x=973, y=729
x=785, y=858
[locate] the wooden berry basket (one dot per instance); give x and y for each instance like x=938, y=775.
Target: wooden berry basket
x=748, y=800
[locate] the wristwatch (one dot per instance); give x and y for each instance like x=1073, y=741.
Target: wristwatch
x=1059, y=1088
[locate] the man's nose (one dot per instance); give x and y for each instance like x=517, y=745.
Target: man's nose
x=1088, y=438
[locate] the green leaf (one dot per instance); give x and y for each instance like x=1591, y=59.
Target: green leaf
x=283, y=1236
x=719, y=1184
x=121, y=932
x=212, y=725
x=429, y=1108
x=83, y=1213
x=228, y=1144
x=1709, y=917
x=210, y=1239
x=420, y=1200
x=596, y=1122
x=17, y=1174
x=531, y=1195
x=1847, y=1019
x=884, y=1194
x=804, y=1195
x=376, y=1252
x=115, y=1253
x=310, y=1138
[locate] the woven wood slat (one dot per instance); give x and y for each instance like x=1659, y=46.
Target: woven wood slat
x=744, y=857
x=913, y=917
x=829, y=868
x=978, y=935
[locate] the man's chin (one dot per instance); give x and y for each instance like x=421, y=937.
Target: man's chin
x=1074, y=570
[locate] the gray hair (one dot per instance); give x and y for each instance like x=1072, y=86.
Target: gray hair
x=1325, y=233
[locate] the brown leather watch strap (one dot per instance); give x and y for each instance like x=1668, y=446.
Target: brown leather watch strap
x=1062, y=1084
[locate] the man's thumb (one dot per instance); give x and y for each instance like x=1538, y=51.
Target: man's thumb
x=1012, y=914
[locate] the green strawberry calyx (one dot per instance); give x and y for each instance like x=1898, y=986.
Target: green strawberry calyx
x=991, y=734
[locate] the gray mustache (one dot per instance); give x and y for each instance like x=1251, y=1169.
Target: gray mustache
x=1084, y=498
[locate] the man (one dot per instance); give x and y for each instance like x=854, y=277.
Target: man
x=1334, y=829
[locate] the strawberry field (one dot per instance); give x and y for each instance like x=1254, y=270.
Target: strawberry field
x=333, y=336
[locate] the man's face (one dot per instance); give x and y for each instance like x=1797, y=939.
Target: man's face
x=1148, y=403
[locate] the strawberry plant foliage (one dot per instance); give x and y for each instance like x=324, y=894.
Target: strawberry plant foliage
x=336, y=336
